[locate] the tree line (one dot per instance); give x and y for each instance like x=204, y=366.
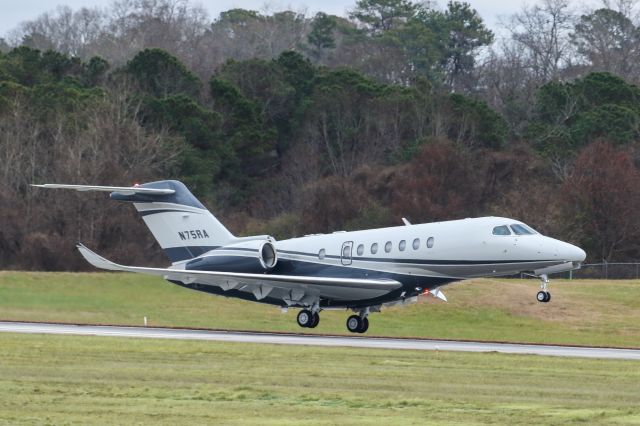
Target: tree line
x=288, y=124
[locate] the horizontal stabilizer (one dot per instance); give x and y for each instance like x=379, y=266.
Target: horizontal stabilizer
x=124, y=190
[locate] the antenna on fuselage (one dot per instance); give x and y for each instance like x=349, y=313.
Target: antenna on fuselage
x=405, y=221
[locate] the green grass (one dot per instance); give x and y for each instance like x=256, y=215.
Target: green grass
x=97, y=380
x=587, y=312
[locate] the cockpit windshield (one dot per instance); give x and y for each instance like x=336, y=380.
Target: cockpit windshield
x=501, y=230
x=521, y=229
x=513, y=229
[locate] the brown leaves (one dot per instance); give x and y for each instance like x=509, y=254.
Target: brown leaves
x=439, y=183
x=602, y=198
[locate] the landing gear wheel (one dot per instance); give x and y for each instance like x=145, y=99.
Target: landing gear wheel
x=543, y=296
x=365, y=325
x=354, y=323
x=305, y=318
x=315, y=320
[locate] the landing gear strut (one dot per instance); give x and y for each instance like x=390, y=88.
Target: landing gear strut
x=308, y=319
x=543, y=295
x=358, y=323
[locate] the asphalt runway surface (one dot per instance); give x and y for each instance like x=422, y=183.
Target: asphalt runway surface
x=319, y=340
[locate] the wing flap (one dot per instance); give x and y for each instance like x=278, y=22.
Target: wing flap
x=257, y=283
x=124, y=190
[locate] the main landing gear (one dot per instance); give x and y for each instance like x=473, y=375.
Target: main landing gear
x=308, y=319
x=543, y=295
x=357, y=324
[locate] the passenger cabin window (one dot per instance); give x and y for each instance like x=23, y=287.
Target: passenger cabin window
x=360, y=249
x=430, y=242
x=416, y=244
x=374, y=248
x=402, y=245
x=521, y=229
x=501, y=230
x=346, y=251
x=387, y=247
x=321, y=254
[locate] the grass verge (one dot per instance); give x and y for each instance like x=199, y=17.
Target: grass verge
x=584, y=312
x=96, y=380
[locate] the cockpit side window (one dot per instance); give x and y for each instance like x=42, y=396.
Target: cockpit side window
x=501, y=230
x=519, y=229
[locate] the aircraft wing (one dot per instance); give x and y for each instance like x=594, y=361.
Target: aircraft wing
x=292, y=289
x=124, y=190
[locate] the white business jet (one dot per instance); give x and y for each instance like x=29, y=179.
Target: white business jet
x=362, y=271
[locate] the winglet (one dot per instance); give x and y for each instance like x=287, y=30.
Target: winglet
x=436, y=292
x=97, y=260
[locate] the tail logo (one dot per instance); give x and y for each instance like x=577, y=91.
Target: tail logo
x=193, y=234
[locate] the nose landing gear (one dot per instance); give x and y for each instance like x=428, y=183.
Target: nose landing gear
x=543, y=295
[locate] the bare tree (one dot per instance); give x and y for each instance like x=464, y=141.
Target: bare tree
x=542, y=31
x=63, y=30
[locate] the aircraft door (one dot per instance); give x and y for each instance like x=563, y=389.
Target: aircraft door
x=345, y=254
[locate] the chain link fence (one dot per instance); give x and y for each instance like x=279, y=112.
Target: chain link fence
x=608, y=270
x=604, y=270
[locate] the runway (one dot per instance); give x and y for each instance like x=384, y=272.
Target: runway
x=319, y=340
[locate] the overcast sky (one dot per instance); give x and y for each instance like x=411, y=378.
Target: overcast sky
x=14, y=12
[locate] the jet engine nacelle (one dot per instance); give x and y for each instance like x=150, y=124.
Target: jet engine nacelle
x=267, y=255
x=248, y=256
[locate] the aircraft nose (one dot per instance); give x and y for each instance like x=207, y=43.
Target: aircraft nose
x=572, y=253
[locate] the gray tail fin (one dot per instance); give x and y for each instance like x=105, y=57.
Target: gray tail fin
x=183, y=227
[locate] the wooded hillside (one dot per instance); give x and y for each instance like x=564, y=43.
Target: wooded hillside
x=288, y=124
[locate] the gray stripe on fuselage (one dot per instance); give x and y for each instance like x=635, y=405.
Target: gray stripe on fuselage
x=150, y=212
x=420, y=261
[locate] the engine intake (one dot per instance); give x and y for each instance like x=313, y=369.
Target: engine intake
x=267, y=255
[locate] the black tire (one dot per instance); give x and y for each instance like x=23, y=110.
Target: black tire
x=305, y=318
x=548, y=298
x=315, y=321
x=354, y=323
x=542, y=296
x=365, y=325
